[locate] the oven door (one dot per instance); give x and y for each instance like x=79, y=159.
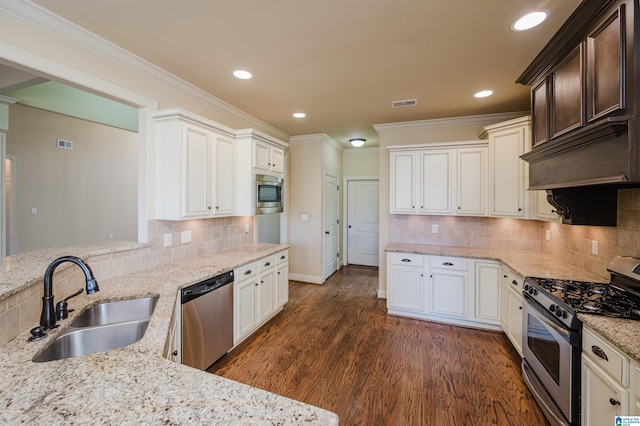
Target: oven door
x=268, y=194
x=552, y=353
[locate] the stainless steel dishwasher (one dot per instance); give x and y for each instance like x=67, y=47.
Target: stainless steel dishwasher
x=207, y=321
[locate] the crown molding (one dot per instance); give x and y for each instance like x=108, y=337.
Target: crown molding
x=448, y=122
x=43, y=18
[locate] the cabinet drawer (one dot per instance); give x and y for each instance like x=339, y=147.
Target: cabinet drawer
x=453, y=263
x=406, y=259
x=267, y=263
x=282, y=257
x=512, y=280
x=604, y=355
x=246, y=271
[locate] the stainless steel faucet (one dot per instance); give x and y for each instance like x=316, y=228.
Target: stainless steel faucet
x=48, y=317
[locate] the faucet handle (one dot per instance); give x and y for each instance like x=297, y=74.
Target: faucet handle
x=61, y=307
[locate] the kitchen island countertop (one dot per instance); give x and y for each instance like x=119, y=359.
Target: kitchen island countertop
x=623, y=333
x=136, y=384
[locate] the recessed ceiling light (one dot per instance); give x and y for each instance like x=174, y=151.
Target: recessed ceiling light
x=357, y=142
x=483, y=93
x=299, y=114
x=242, y=74
x=529, y=20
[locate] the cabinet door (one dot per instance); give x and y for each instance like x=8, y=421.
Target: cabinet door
x=277, y=160
x=602, y=397
x=261, y=155
x=246, y=308
x=224, y=176
x=402, y=182
x=544, y=210
x=539, y=113
x=436, y=183
x=448, y=293
x=514, y=320
x=487, y=292
x=267, y=298
x=282, y=288
x=566, y=89
x=406, y=288
x=507, y=172
x=196, y=180
x=471, y=182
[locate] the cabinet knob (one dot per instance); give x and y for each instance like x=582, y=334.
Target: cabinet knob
x=217, y=207
x=209, y=207
x=327, y=232
x=514, y=282
x=520, y=307
x=613, y=401
x=459, y=207
x=247, y=272
x=267, y=264
x=174, y=353
x=519, y=210
x=256, y=284
x=504, y=276
x=283, y=257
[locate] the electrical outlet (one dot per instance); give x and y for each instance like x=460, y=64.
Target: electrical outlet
x=547, y=235
x=168, y=239
x=434, y=229
x=185, y=237
x=594, y=247
x=246, y=228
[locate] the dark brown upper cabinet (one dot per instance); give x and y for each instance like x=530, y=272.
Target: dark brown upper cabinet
x=539, y=113
x=567, y=85
x=606, y=66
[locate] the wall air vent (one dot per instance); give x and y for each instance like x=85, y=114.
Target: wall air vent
x=65, y=144
x=403, y=104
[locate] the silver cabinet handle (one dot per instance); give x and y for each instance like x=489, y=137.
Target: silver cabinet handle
x=599, y=352
x=406, y=260
x=447, y=264
x=247, y=272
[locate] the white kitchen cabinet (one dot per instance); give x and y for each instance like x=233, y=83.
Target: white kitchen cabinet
x=194, y=167
x=487, y=292
x=245, y=301
x=256, y=153
x=450, y=287
x=408, y=293
x=268, y=158
x=404, y=181
x=439, y=179
x=509, y=174
x=261, y=289
x=512, y=307
x=282, y=277
x=605, y=380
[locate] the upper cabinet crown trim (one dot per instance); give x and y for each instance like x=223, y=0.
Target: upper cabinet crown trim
x=256, y=134
x=171, y=114
x=436, y=145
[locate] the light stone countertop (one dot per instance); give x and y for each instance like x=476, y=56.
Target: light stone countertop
x=623, y=333
x=135, y=384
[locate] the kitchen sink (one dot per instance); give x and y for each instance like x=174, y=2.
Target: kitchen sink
x=89, y=340
x=103, y=326
x=115, y=312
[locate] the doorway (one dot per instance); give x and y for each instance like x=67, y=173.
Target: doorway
x=362, y=221
x=331, y=221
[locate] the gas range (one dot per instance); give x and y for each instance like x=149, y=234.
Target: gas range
x=620, y=298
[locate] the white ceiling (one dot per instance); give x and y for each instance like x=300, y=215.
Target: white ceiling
x=341, y=62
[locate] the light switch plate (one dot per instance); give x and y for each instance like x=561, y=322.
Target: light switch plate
x=185, y=237
x=434, y=229
x=594, y=247
x=547, y=235
x=304, y=217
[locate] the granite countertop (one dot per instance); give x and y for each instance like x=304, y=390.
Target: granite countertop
x=623, y=333
x=135, y=384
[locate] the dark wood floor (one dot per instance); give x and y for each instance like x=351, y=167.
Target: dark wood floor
x=334, y=346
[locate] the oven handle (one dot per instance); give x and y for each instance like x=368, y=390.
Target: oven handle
x=544, y=316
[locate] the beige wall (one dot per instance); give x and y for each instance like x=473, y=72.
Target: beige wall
x=361, y=162
x=82, y=195
x=310, y=157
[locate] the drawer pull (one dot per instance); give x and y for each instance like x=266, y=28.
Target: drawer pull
x=248, y=272
x=613, y=401
x=267, y=264
x=447, y=264
x=283, y=257
x=514, y=282
x=406, y=260
x=599, y=352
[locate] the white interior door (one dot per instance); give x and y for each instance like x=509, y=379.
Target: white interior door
x=330, y=225
x=362, y=222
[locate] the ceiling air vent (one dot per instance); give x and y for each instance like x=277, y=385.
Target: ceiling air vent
x=65, y=144
x=403, y=104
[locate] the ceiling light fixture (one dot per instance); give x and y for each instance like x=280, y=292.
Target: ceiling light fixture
x=242, y=74
x=529, y=20
x=483, y=93
x=357, y=142
x=299, y=114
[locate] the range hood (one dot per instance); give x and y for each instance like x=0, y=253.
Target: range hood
x=584, y=113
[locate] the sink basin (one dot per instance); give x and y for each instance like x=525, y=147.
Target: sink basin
x=115, y=312
x=90, y=340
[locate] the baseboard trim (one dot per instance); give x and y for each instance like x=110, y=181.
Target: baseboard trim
x=306, y=278
x=382, y=294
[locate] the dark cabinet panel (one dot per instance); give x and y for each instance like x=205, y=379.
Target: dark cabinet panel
x=605, y=66
x=566, y=89
x=539, y=113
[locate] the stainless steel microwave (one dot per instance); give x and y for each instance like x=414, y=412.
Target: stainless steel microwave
x=269, y=194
